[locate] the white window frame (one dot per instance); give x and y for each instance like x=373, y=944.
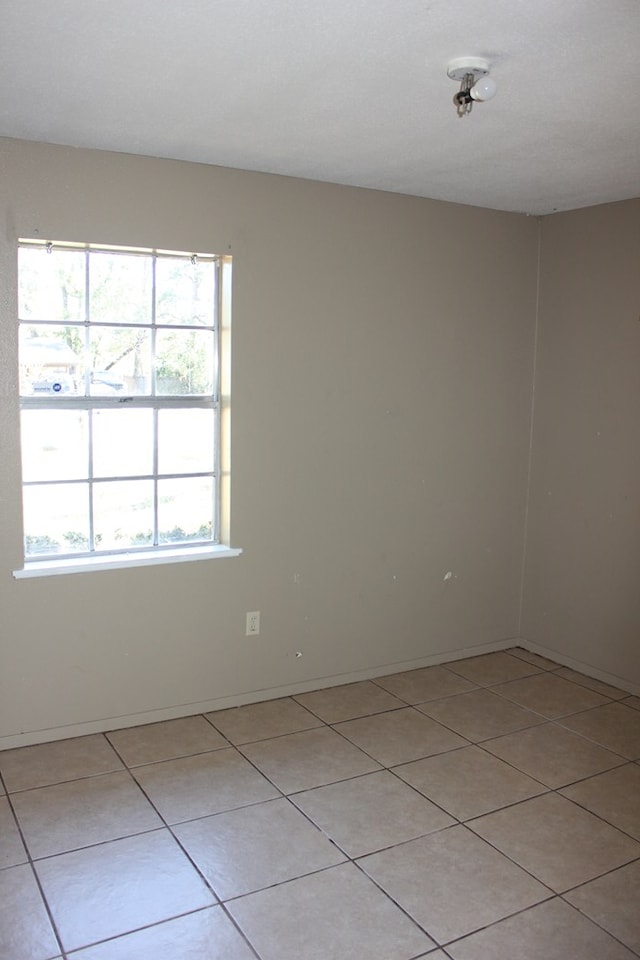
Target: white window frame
x=94, y=558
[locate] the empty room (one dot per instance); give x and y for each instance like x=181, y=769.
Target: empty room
x=319, y=480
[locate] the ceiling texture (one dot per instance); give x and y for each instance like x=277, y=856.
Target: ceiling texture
x=347, y=91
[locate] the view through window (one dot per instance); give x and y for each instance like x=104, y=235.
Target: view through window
x=119, y=394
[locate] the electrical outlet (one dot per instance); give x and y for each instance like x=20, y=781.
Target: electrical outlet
x=253, y=623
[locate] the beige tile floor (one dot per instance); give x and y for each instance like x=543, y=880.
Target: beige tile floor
x=485, y=809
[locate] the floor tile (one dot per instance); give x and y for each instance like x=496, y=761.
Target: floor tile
x=46, y=763
x=166, y=741
x=338, y=914
x=549, y=695
x=67, y=816
x=614, y=693
x=614, y=726
x=612, y=901
x=399, y=736
x=553, y=755
x=349, y=701
x=261, y=721
x=425, y=683
x=121, y=887
x=205, y=935
x=12, y=851
x=452, y=882
x=117, y=887
x=255, y=847
x=490, y=668
x=480, y=714
x=534, y=658
x=552, y=930
x=25, y=930
x=202, y=785
x=614, y=796
x=469, y=782
x=557, y=841
x=371, y=812
x=308, y=759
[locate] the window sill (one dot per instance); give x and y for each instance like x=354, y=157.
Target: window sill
x=52, y=568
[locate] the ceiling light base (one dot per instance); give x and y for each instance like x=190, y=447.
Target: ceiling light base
x=472, y=73
x=463, y=66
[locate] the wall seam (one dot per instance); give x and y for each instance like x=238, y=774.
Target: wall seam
x=525, y=534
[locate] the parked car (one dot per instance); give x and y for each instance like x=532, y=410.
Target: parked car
x=105, y=383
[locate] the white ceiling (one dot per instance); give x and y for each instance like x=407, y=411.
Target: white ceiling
x=348, y=91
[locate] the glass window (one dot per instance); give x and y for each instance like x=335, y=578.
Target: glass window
x=119, y=391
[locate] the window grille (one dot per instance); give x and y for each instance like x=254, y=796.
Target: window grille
x=119, y=353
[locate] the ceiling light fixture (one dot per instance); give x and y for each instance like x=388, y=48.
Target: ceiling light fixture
x=475, y=83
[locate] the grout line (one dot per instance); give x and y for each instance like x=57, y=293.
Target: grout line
x=593, y=920
x=169, y=828
x=494, y=923
x=34, y=873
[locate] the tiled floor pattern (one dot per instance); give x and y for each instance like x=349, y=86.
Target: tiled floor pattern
x=487, y=809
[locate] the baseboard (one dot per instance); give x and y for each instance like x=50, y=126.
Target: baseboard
x=587, y=668
x=104, y=724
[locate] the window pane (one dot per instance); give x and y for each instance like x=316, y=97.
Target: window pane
x=120, y=361
x=56, y=518
x=185, y=292
x=185, y=510
x=105, y=474
x=51, y=360
x=120, y=288
x=122, y=443
x=184, y=362
x=55, y=445
x=123, y=513
x=185, y=441
x=51, y=285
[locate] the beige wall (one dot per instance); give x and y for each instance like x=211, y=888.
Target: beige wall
x=381, y=402
x=582, y=583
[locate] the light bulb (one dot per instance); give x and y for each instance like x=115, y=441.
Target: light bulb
x=483, y=89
